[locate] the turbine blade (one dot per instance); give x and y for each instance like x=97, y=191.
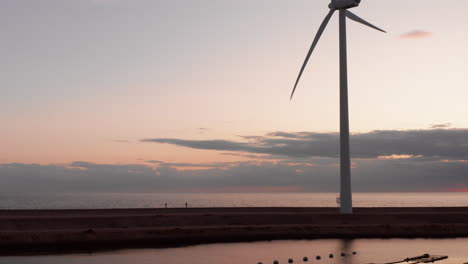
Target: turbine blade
x=354, y=17
x=312, y=47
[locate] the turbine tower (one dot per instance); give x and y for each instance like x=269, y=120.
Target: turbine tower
x=345, y=163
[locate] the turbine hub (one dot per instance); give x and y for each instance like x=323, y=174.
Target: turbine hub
x=344, y=4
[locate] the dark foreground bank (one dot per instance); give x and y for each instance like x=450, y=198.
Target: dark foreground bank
x=64, y=231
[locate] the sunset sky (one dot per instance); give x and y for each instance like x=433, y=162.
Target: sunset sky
x=184, y=94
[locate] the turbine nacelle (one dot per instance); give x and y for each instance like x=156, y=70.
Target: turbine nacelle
x=344, y=4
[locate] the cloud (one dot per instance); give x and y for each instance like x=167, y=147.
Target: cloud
x=202, y=130
x=155, y=161
x=250, y=156
x=439, y=126
x=443, y=143
x=416, y=34
x=384, y=160
x=121, y=141
x=191, y=165
x=202, y=144
x=316, y=174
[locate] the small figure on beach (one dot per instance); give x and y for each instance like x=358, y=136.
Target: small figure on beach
x=186, y=205
x=165, y=205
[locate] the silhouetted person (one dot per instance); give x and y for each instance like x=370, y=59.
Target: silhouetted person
x=186, y=205
x=165, y=205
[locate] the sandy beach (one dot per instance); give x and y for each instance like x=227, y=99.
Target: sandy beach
x=64, y=231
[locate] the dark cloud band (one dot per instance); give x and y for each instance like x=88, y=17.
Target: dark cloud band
x=317, y=174
x=443, y=143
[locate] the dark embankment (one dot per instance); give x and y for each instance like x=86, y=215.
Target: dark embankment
x=62, y=231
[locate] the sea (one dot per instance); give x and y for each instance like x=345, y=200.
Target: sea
x=368, y=251
x=174, y=200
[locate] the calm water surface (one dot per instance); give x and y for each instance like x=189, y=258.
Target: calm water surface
x=369, y=251
x=155, y=200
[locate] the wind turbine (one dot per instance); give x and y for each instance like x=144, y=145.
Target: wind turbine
x=345, y=164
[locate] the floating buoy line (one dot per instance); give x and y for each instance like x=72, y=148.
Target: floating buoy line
x=318, y=257
x=424, y=258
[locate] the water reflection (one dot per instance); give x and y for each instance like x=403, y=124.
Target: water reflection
x=368, y=251
x=346, y=247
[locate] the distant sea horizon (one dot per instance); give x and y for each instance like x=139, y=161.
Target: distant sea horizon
x=178, y=200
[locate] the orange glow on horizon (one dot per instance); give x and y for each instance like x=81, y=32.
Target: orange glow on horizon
x=394, y=156
x=246, y=189
x=458, y=190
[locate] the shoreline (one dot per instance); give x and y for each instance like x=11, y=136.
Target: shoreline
x=30, y=232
